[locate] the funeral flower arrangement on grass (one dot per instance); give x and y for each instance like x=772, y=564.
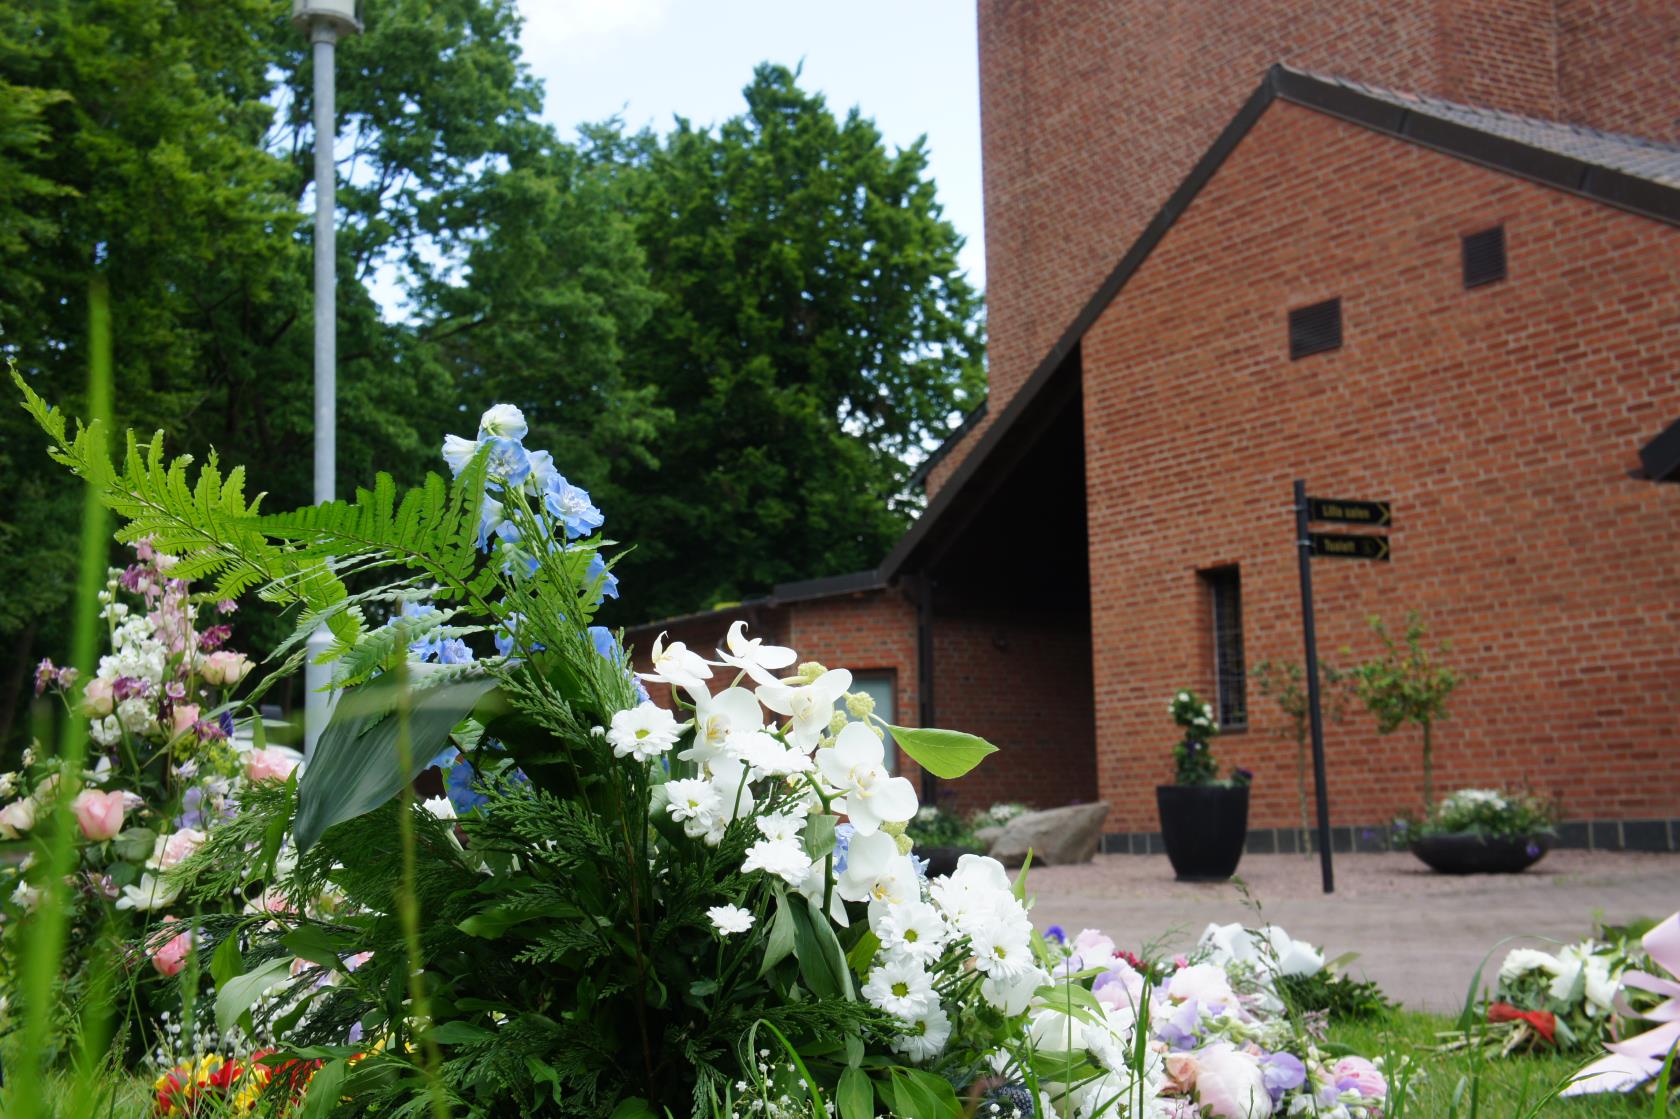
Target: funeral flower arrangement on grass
x=704, y=905
x=1570, y=1000
x=170, y=765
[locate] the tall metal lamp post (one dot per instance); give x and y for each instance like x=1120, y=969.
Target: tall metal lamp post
x=325, y=22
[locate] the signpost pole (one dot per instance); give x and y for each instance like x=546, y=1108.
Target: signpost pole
x=1303, y=547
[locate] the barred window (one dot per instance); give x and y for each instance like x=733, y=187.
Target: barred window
x=1230, y=673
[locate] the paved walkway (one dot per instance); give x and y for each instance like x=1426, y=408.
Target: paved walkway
x=1419, y=934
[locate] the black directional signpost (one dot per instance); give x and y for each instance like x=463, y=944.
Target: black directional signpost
x=1339, y=545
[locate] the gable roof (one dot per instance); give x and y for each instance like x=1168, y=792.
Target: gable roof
x=1628, y=173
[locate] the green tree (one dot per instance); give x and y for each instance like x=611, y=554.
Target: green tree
x=1408, y=683
x=813, y=330
x=1284, y=683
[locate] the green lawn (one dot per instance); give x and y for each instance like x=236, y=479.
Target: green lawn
x=1509, y=1087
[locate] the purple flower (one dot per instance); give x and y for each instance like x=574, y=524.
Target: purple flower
x=1056, y=933
x=1283, y=1072
x=1533, y=849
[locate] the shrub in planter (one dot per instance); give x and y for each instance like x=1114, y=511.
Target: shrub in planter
x=1482, y=831
x=1204, y=820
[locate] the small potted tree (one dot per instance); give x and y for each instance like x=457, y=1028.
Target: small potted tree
x=1284, y=682
x=1204, y=820
x=1409, y=684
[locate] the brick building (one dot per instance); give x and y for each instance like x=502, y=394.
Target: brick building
x=1214, y=269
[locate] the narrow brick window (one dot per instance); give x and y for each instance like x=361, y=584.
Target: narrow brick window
x=1484, y=257
x=1315, y=329
x=881, y=687
x=1230, y=673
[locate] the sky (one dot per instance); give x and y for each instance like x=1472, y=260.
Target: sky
x=911, y=65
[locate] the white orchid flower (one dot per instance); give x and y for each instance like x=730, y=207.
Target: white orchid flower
x=731, y=714
x=877, y=873
x=856, y=765
x=752, y=656
x=810, y=706
x=674, y=664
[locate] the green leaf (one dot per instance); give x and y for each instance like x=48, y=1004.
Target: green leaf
x=947, y=754
x=923, y=1095
x=226, y=962
x=237, y=995
x=822, y=964
x=134, y=844
x=315, y=944
x=863, y=952
x=855, y=1095
x=819, y=836
x=325, y=1088
x=779, y=943
x=492, y=923
x=633, y=1108
x=458, y=1033
x=355, y=769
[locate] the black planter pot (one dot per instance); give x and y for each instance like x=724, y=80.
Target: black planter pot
x=1204, y=828
x=943, y=860
x=1477, y=854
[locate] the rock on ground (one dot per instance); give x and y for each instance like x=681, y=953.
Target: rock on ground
x=1056, y=837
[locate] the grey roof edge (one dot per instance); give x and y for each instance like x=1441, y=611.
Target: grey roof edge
x=946, y=446
x=783, y=594
x=1623, y=191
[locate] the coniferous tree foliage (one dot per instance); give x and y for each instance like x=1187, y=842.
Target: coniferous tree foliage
x=735, y=333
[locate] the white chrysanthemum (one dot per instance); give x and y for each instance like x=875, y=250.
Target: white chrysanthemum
x=926, y=1036
x=692, y=798
x=914, y=929
x=644, y=731
x=767, y=757
x=780, y=826
x=1520, y=961
x=730, y=919
x=901, y=987
x=784, y=858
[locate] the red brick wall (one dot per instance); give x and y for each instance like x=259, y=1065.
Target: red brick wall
x=1023, y=683
x=1619, y=65
x=1092, y=112
x=1502, y=422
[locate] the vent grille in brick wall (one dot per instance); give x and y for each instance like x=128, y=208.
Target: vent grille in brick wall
x=1314, y=329
x=1484, y=257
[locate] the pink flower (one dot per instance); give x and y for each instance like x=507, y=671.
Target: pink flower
x=170, y=850
x=100, y=814
x=269, y=765
x=97, y=699
x=1093, y=947
x=1206, y=982
x=185, y=715
x=171, y=956
x=1361, y=1075
x=1230, y=1083
x=225, y=669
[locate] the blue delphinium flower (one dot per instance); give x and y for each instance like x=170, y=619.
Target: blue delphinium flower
x=509, y=463
x=454, y=651
x=571, y=506
x=459, y=786
x=598, y=570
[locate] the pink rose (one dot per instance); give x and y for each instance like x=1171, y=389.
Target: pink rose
x=269, y=765
x=186, y=714
x=17, y=817
x=96, y=697
x=1360, y=1075
x=171, y=956
x=100, y=814
x=224, y=668
x=170, y=850
x=1230, y=1083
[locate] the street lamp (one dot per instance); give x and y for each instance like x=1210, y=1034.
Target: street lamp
x=325, y=22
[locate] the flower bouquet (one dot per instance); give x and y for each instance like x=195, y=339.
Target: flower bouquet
x=171, y=763
x=687, y=891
